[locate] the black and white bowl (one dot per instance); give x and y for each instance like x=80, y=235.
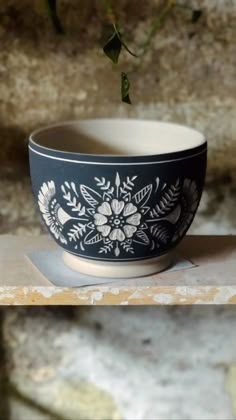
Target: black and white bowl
x=117, y=195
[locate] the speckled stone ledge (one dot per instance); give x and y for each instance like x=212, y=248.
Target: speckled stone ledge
x=212, y=281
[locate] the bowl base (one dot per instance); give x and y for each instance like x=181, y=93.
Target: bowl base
x=120, y=270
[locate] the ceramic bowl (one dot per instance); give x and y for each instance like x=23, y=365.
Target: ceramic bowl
x=117, y=195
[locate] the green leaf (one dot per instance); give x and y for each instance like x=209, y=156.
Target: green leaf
x=52, y=9
x=112, y=47
x=196, y=15
x=125, y=85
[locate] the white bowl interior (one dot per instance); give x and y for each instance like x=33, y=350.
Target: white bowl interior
x=127, y=137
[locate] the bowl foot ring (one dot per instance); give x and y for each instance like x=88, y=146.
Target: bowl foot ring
x=131, y=269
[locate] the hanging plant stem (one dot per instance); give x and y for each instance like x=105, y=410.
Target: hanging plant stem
x=156, y=24
x=112, y=20
x=116, y=30
x=52, y=11
x=113, y=47
x=115, y=42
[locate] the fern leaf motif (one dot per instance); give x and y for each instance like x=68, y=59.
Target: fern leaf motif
x=127, y=247
x=76, y=232
x=161, y=233
x=106, y=248
x=105, y=186
x=127, y=186
x=70, y=194
x=167, y=201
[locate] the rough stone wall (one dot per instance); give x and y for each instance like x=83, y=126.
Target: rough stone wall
x=121, y=363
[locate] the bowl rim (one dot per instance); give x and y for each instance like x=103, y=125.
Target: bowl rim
x=32, y=142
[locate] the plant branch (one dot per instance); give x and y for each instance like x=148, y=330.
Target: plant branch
x=116, y=30
x=112, y=20
x=52, y=11
x=157, y=23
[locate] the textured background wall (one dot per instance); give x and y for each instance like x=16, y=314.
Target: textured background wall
x=76, y=360
x=121, y=363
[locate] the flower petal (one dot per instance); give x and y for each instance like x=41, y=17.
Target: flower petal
x=129, y=209
x=117, y=235
x=46, y=193
x=129, y=230
x=53, y=228
x=99, y=219
x=47, y=218
x=117, y=206
x=134, y=219
x=104, y=230
x=62, y=216
x=62, y=239
x=105, y=209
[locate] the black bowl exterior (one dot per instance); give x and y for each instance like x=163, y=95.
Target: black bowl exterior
x=117, y=208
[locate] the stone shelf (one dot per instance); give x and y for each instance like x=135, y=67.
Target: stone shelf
x=212, y=281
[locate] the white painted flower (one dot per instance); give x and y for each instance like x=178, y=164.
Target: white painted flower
x=51, y=210
x=190, y=200
x=117, y=220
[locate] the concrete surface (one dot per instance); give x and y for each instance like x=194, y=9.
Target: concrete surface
x=144, y=363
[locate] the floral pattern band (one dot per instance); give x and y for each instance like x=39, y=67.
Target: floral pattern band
x=117, y=216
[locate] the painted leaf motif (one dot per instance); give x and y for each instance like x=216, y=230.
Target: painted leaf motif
x=106, y=196
x=74, y=188
x=157, y=183
x=152, y=245
x=127, y=247
x=127, y=185
x=106, y=248
x=167, y=201
x=76, y=232
x=127, y=197
x=117, y=252
x=92, y=238
x=142, y=237
x=81, y=246
x=71, y=197
x=91, y=212
x=142, y=196
x=144, y=226
x=160, y=232
x=117, y=180
x=90, y=195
